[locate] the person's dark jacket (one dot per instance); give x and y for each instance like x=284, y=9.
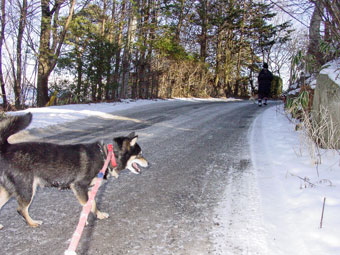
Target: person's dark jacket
x=265, y=79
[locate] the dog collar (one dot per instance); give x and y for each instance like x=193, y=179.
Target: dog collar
x=111, y=167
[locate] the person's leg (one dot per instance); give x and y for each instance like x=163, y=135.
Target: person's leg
x=260, y=100
x=266, y=96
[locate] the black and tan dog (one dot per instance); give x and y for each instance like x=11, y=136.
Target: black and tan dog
x=25, y=166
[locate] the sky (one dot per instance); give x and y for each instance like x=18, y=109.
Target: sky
x=300, y=23
x=287, y=187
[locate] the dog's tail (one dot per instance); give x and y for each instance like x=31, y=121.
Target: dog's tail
x=13, y=124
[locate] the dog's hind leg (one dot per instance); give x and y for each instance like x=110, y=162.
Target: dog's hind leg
x=24, y=200
x=82, y=196
x=23, y=211
x=4, y=197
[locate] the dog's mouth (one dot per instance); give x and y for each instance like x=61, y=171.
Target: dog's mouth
x=135, y=164
x=136, y=167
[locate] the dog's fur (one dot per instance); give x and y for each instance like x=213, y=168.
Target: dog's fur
x=25, y=166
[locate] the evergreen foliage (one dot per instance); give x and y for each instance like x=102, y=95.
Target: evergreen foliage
x=276, y=88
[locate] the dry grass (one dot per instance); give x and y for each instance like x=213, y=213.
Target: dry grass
x=319, y=131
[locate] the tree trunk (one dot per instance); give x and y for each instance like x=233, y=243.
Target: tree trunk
x=110, y=56
x=151, y=72
x=48, y=55
x=119, y=47
x=314, y=34
x=44, y=54
x=131, y=34
x=239, y=53
x=203, y=13
x=180, y=21
x=2, y=37
x=17, y=81
x=219, y=48
x=79, y=67
x=143, y=37
x=333, y=18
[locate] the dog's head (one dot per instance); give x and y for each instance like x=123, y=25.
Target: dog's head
x=129, y=154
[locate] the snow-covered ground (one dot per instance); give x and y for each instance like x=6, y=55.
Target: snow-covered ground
x=292, y=189
x=46, y=116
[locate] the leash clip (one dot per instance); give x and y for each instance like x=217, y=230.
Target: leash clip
x=110, y=147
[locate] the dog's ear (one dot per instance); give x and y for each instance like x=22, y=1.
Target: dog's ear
x=133, y=138
x=133, y=141
x=131, y=135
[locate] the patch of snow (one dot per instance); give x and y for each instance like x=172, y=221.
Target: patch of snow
x=294, y=92
x=332, y=69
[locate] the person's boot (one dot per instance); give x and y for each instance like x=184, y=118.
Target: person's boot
x=260, y=102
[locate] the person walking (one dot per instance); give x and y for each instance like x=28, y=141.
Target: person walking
x=264, y=80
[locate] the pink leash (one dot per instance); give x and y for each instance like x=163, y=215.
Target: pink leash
x=87, y=207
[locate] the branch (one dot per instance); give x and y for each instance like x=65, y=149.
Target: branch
x=281, y=8
x=323, y=209
x=62, y=36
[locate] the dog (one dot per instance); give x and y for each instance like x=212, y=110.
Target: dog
x=253, y=98
x=26, y=166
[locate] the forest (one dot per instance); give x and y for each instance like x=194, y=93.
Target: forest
x=55, y=52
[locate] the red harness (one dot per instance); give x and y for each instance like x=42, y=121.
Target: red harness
x=113, y=157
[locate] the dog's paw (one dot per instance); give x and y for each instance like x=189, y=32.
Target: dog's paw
x=35, y=223
x=1, y=226
x=102, y=215
x=114, y=173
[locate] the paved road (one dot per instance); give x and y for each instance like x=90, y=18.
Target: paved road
x=197, y=151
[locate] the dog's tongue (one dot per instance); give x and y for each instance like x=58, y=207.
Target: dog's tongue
x=135, y=166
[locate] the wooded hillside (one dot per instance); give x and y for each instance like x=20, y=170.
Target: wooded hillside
x=84, y=51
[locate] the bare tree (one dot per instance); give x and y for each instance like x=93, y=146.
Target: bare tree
x=119, y=41
x=130, y=38
x=2, y=37
x=18, y=76
x=331, y=17
x=50, y=51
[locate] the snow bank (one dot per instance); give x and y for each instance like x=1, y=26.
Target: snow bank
x=292, y=193
x=46, y=116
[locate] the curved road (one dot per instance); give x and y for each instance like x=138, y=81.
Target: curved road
x=199, y=155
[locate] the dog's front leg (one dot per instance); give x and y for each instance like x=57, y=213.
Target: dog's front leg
x=100, y=215
x=83, y=196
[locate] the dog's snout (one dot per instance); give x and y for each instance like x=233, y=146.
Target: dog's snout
x=147, y=163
